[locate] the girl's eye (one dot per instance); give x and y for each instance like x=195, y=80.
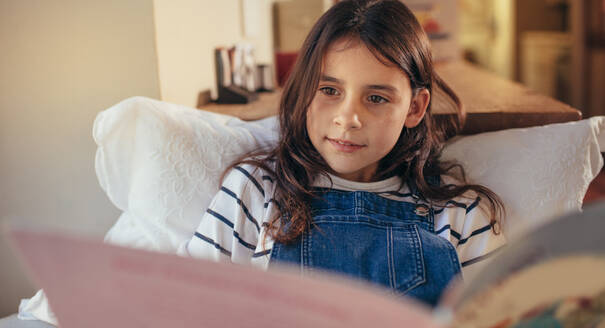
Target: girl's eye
x=375, y=99
x=329, y=91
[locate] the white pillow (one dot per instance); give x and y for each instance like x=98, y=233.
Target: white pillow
x=540, y=173
x=160, y=163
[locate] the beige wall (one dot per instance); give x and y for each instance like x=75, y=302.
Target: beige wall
x=187, y=31
x=62, y=62
x=294, y=20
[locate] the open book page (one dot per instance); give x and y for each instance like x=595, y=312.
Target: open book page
x=90, y=284
x=552, y=277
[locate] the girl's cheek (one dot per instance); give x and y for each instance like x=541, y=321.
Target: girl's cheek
x=311, y=110
x=317, y=108
x=312, y=117
x=383, y=116
x=389, y=123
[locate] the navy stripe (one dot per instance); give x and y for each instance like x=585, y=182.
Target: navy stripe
x=455, y=203
x=211, y=242
x=473, y=205
x=272, y=200
x=481, y=258
x=455, y=234
x=259, y=254
x=460, y=205
x=251, y=179
x=266, y=177
x=447, y=226
x=241, y=241
x=474, y=233
x=220, y=217
x=244, y=208
x=452, y=232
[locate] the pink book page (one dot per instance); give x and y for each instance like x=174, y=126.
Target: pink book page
x=91, y=284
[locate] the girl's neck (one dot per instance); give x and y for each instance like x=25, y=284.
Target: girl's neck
x=340, y=183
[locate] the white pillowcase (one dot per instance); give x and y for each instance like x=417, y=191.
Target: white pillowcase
x=540, y=173
x=160, y=164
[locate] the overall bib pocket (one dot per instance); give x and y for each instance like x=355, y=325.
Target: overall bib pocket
x=382, y=252
x=386, y=242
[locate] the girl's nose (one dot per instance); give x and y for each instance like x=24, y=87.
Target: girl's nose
x=347, y=116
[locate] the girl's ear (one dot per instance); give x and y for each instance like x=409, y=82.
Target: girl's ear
x=418, y=107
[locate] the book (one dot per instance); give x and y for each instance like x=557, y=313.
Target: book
x=223, y=67
x=553, y=277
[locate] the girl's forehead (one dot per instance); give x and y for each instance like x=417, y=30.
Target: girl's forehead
x=344, y=43
x=351, y=55
x=356, y=46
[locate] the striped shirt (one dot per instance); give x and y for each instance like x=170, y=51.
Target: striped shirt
x=232, y=227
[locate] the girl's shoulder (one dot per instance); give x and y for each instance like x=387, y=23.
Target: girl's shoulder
x=467, y=201
x=252, y=170
x=249, y=177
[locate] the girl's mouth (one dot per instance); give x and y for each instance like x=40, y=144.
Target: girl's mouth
x=345, y=145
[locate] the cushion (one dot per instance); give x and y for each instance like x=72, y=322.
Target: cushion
x=540, y=173
x=161, y=163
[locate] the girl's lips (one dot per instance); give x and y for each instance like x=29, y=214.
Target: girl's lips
x=344, y=145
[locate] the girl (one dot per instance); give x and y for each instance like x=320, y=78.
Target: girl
x=355, y=184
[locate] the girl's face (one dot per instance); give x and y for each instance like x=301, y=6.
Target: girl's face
x=359, y=110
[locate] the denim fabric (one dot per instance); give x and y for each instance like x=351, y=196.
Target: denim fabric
x=366, y=236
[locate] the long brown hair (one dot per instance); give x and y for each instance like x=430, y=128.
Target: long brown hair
x=389, y=30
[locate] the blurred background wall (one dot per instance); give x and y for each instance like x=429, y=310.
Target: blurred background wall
x=555, y=47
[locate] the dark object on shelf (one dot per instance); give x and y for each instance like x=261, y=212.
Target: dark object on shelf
x=224, y=72
x=228, y=93
x=234, y=95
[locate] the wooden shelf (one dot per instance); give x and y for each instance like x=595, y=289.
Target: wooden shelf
x=491, y=103
x=494, y=103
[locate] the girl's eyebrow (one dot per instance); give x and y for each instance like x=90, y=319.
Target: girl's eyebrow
x=330, y=79
x=385, y=87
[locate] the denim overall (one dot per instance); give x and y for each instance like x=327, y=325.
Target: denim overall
x=366, y=236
